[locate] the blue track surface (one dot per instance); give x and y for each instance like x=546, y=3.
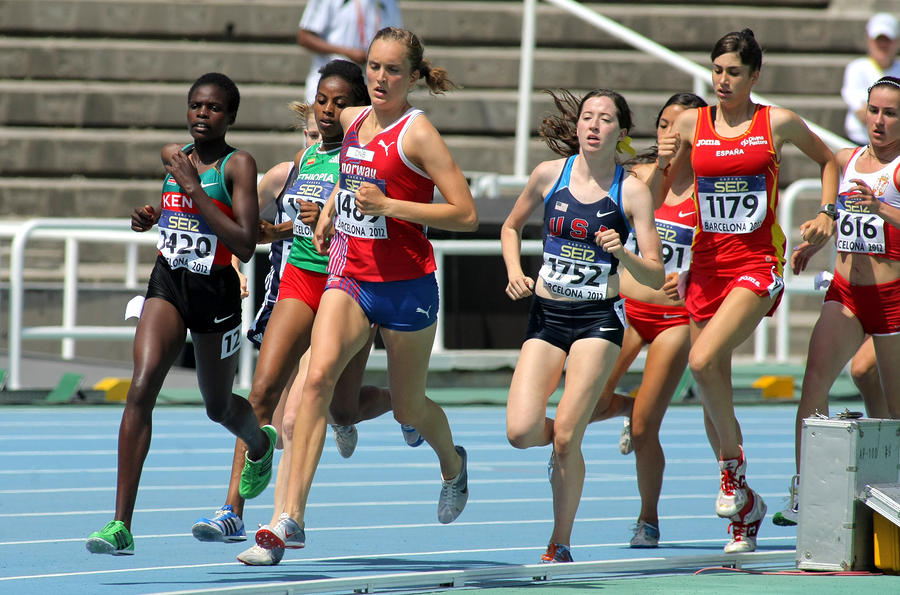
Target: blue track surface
x=374, y=513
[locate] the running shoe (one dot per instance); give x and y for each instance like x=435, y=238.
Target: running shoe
x=286, y=533
x=733, y=488
x=556, y=553
x=257, y=556
x=256, y=474
x=225, y=526
x=551, y=463
x=625, y=445
x=788, y=517
x=411, y=435
x=645, y=535
x=745, y=526
x=346, y=438
x=113, y=539
x=454, y=492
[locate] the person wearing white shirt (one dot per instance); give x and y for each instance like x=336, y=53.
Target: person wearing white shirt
x=342, y=29
x=883, y=42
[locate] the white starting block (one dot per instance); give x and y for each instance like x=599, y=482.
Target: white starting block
x=848, y=468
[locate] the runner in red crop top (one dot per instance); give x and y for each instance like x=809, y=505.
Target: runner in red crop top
x=736, y=191
x=735, y=277
x=379, y=248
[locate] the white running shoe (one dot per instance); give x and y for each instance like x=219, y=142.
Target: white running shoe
x=745, y=527
x=411, y=435
x=625, y=445
x=346, y=438
x=454, y=492
x=788, y=517
x=257, y=556
x=645, y=535
x=286, y=533
x=733, y=487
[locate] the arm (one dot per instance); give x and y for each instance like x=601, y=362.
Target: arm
x=425, y=147
x=647, y=268
x=519, y=285
x=240, y=233
x=236, y=263
x=315, y=43
x=269, y=187
x=674, y=152
x=324, y=229
x=787, y=126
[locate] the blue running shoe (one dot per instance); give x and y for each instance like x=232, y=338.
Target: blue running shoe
x=645, y=535
x=225, y=526
x=411, y=435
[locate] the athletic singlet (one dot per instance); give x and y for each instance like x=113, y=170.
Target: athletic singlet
x=185, y=238
x=313, y=181
x=862, y=232
x=370, y=248
x=286, y=209
x=574, y=266
x=675, y=225
x=736, y=192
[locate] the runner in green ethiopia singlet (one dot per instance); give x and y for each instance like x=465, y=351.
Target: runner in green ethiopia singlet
x=313, y=181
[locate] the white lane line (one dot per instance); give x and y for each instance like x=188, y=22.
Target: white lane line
x=419, y=554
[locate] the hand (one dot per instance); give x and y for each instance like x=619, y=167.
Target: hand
x=143, y=218
x=817, y=231
x=182, y=169
x=668, y=147
x=322, y=235
x=670, y=287
x=864, y=197
x=609, y=241
x=370, y=200
x=309, y=212
x=520, y=287
x=243, y=280
x=266, y=232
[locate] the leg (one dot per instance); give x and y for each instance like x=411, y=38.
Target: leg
x=285, y=340
x=666, y=360
x=158, y=339
x=589, y=363
x=864, y=371
x=352, y=402
x=887, y=350
x=712, y=344
x=340, y=331
x=834, y=340
x=537, y=374
x=612, y=404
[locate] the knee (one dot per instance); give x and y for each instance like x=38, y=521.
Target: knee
x=287, y=427
x=564, y=443
x=643, y=437
x=520, y=437
x=862, y=371
x=218, y=412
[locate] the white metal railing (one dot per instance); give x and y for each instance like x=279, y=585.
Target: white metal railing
x=702, y=80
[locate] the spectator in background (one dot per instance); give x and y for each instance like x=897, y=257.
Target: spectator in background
x=883, y=42
x=343, y=29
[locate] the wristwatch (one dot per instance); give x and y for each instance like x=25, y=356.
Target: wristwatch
x=829, y=210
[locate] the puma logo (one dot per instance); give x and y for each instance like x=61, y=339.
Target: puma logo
x=427, y=312
x=386, y=147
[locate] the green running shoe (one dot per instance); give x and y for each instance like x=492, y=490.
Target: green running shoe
x=113, y=539
x=256, y=474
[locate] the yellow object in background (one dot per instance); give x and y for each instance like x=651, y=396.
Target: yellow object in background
x=775, y=387
x=887, y=544
x=116, y=389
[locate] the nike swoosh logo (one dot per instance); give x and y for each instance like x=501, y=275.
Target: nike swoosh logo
x=683, y=214
x=208, y=185
x=599, y=214
x=669, y=316
x=217, y=320
x=604, y=329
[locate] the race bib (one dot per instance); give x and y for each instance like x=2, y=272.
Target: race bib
x=731, y=204
x=676, y=245
x=186, y=241
x=316, y=191
x=858, y=231
x=575, y=270
x=349, y=220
